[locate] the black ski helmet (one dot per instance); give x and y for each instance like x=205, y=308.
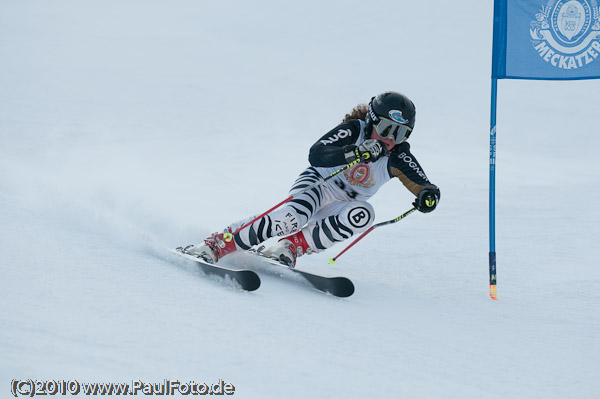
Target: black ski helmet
x=392, y=106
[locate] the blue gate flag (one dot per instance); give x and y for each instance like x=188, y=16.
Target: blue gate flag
x=546, y=39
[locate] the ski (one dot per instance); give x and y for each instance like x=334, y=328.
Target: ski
x=247, y=279
x=338, y=286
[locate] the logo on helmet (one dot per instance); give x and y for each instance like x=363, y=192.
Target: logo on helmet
x=397, y=116
x=372, y=115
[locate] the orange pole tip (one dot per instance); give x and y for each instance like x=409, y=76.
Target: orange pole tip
x=493, y=293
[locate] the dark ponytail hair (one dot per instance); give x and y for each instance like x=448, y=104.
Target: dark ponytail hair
x=358, y=112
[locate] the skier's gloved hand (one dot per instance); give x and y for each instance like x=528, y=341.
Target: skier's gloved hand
x=369, y=151
x=427, y=199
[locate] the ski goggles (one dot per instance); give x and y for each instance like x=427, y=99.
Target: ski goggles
x=386, y=129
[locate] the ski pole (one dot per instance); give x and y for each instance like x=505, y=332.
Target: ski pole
x=316, y=184
x=370, y=229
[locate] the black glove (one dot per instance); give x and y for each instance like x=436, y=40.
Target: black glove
x=369, y=151
x=427, y=199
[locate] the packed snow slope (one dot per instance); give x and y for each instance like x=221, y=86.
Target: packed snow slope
x=130, y=126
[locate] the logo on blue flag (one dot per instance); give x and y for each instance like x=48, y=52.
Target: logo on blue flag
x=566, y=33
x=546, y=39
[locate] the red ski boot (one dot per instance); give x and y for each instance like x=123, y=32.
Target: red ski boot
x=288, y=249
x=214, y=248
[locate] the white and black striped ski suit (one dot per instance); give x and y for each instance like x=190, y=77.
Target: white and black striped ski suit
x=337, y=209
x=323, y=219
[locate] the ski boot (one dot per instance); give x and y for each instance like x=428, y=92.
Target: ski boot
x=214, y=247
x=287, y=250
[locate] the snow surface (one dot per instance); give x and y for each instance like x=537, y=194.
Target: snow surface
x=130, y=126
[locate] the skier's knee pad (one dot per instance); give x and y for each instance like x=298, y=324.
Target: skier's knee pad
x=358, y=216
x=285, y=221
x=281, y=222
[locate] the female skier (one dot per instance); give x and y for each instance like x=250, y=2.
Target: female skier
x=372, y=137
